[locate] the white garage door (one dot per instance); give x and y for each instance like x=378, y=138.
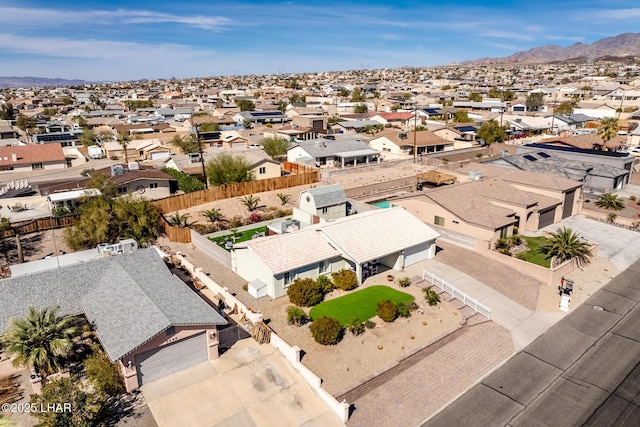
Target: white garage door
x=163, y=361
x=417, y=253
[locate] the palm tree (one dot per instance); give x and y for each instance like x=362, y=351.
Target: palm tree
x=607, y=130
x=42, y=339
x=284, y=198
x=610, y=201
x=213, y=215
x=566, y=244
x=124, y=139
x=179, y=220
x=251, y=202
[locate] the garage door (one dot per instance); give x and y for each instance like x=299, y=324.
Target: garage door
x=546, y=218
x=417, y=253
x=163, y=361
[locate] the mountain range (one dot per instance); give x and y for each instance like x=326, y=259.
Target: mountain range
x=620, y=46
x=15, y=82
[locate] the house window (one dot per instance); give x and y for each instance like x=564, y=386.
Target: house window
x=287, y=279
x=262, y=170
x=68, y=162
x=36, y=166
x=153, y=185
x=503, y=233
x=438, y=220
x=122, y=190
x=171, y=331
x=324, y=210
x=322, y=267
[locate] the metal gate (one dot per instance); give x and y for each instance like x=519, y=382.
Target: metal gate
x=230, y=335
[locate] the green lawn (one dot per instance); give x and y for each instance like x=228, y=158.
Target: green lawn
x=243, y=236
x=360, y=304
x=533, y=255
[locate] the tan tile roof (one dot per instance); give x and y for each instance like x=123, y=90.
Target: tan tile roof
x=28, y=154
x=588, y=141
x=527, y=178
x=395, y=116
x=423, y=138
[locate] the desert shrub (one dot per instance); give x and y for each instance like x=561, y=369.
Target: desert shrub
x=412, y=305
x=369, y=324
x=326, y=331
x=431, y=296
x=325, y=283
x=296, y=316
x=403, y=310
x=633, y=198
x=502, y=244
x=103, y=374
x=404, y=282
x=355, y=326
x=345, y=279
x=521, y=255
x=255, y=217
x=235, y=222
x=387, y=310
x=305, y=292
x=505, y=251
x=514, y=240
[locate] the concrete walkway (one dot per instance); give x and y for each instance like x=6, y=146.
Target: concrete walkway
x=250, y=385
x=524, y=324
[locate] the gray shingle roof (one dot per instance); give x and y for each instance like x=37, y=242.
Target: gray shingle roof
x=572, y=169
x=326, y=147
x=329, y=195
x=130, y=298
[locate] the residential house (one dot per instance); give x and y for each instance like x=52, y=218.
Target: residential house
x=8, y=132
x=150, y=183
x=458, y=132
x=394, y=119
x=384, y=238
x=263, y=167
x=26, y=158
x=595, y=177
x=65, y=139
x=352, y=127
x=148, y=321
x=589, y=141
x=340, y=152
x=401, y=142
x=260, y=117
x=137, y=149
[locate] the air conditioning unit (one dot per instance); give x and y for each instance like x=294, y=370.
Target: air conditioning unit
x=133, y=166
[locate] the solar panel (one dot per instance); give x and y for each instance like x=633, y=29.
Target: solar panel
x=543, y=155
x=529, y=157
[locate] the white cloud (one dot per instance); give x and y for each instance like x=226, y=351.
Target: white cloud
x=497, y=34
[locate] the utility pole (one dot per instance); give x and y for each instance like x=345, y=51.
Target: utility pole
x=553, y=113
x=415, y=132
x=204, y=170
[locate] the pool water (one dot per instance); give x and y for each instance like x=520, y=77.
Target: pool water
x=384, y=204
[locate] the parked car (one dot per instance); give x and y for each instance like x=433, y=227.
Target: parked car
x=634, y=151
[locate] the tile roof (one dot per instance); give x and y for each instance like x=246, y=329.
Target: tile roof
x=28, y=154
x=130, y=298
x=396, y=116
x=423, y=138
x=588, y=141
x=329, y=195
x=326, y=147
x=571, y=169
x=533, y=179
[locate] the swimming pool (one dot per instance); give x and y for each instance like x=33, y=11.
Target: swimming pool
x=383, y=204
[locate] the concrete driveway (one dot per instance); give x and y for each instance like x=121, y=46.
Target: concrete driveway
x=620, y=246
x=250, y=385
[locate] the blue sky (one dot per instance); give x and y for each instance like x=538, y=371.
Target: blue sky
x=124, y=40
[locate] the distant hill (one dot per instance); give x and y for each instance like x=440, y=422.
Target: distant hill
x=622, y=45
x=6, y=82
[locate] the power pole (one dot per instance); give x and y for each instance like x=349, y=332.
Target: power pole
x=415, y=132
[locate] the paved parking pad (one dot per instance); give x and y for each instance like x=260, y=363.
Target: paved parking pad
x=249, y=385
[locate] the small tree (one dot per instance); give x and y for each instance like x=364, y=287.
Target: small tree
x=387, y=310
x=345, y=279
x=103, y=374
x=275, y=147
x=565, y=244
x=607, y=130
x=355, y=326
x=535, y=101
x=186, y=182
x=610, y=201
x=404, y=282
x=284, y=198
x=326, y=331
x=213, y=215
x=305, y=292
x=403, y=310
x=187, y=143
x=325, y=283
x=179, y=220
x=245, y=105
x=361, y=108
x=461, y=116
x=431, y=296
x=296, y=316
x=475, y=97
x=565, y=107
x=251, y=202
x=491, y=132
x=227, y=169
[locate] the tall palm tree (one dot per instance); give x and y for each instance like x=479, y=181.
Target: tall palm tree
x=610, y=201
x=124, y=140
x=42, y=339
x=566, y=244
x=607, y=130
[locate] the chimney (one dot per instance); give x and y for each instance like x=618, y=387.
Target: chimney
x=14, y=157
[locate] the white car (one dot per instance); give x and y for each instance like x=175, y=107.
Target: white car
x=634, y=151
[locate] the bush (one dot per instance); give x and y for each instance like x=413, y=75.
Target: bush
x=326, y=331
x=345, y=279
x=255, y=217
x=412, y=305
x=296, y=316
x=403, y=310
x=505, y=251
x=186, y=182
x=404, y=282
x=521, y=255
x=325, y=283
x=502, y=244
x=236, y=222
x=514, y=240
x=305, y=292
x=431, y=296
x=369, y=324
x=387, y=310
x=103, y=374
x=355, y=326
x=633, y=198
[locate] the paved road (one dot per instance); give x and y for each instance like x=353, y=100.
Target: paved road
x=583, y=371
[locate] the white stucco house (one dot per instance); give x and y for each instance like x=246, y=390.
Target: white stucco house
x=393, y=238
x=328, y=202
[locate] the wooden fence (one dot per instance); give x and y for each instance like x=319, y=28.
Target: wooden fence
x=186, y=201
x=39, y=224
x=175, y=234
x=296, y=168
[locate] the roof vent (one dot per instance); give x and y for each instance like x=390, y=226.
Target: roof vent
x=402, y=135
x=117, y=170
